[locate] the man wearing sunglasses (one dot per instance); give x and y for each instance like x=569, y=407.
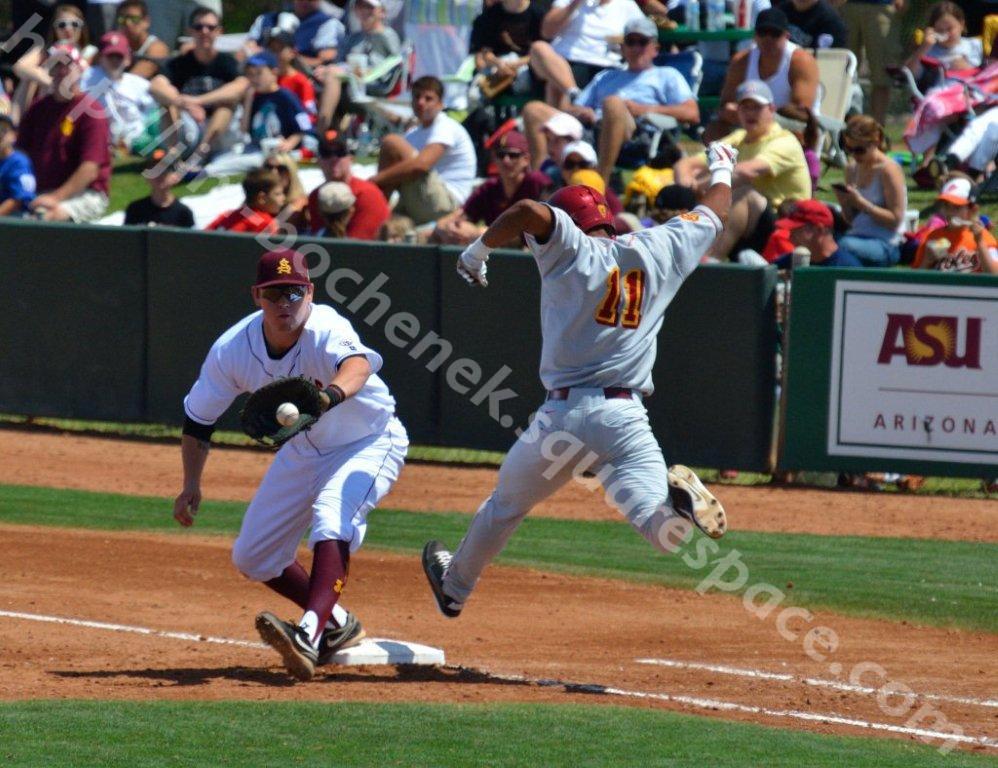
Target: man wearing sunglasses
x=148, y=51
x=370, y=205
x=201, y=90
x=790, y=72
x=325, y=480
x=515, y=182
x=617, y=99
x=169, y=17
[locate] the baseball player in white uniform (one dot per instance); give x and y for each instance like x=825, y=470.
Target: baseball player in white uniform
x=326, y=479
x=602, y=302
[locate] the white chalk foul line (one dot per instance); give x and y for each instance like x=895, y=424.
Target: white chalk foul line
x=691, y=701
x=817, y=682
x=134, y=630
x=730, y=706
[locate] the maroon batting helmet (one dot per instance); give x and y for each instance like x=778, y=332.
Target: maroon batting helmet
x=586, y=206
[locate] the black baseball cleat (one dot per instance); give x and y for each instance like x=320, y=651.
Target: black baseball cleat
x=335, y=640
x=292, y=642
x=436, y=561
x=692, y=500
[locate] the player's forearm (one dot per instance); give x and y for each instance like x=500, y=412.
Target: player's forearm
x=526, y=216
x=194, y=454
x=352, y=375
x=718, y=200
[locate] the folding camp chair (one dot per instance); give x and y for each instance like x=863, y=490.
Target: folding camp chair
x=837, y=81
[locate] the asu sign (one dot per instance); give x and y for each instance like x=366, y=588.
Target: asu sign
x=914, y=372
x=931, y=340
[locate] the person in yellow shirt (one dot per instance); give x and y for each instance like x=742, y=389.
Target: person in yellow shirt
x=771, y=169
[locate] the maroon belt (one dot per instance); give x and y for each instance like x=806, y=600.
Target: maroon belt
x=608, y=392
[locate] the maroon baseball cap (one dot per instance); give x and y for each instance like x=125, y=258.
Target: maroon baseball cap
x=281, y=267
x=513, y=140
x=807, y=212
x=115, y=42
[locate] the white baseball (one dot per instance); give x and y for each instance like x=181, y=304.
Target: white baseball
x=287, y=414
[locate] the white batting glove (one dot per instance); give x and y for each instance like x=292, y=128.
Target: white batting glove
x=472, y=263
x=721, y=159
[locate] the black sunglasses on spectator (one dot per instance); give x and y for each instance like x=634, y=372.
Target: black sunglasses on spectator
x=574, y=165
x=636, y=41
x=293, y=293
x=204, y=27
x=769, y=33
x=509, y=153
x=328, y=154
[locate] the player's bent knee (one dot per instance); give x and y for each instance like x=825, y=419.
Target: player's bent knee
x=248, y=563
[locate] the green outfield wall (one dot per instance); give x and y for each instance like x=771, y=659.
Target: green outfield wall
x=113, y=323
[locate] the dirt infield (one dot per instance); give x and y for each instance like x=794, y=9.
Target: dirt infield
x=520, y=623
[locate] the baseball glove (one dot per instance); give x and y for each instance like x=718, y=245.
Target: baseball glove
x=259, y=414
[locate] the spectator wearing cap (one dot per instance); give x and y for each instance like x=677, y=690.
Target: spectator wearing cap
x=433, y=166
x=67, y=138
x=131, y=110
x=336, y=205
x=963, y=244
x=148, y=51
x=580, y=32
x=317, y=38
x=814, y=24
x=161, y=207
x=281, y=45
x=810, y=224
x=790, y=72
x=373, y=41
x=515, y=182
x=265, y=198
x=580, y=156
x=770, y=169
x=556, y=133
x=370, y=205
x=17, y=177
x=270, y=111
x=874, y=197
x=201, y=89
x=874, y=28
x=616, y=99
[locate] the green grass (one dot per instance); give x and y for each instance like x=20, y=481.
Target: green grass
x=932, y=582
x=127, y=184
x=946, y=486
x=253, y=734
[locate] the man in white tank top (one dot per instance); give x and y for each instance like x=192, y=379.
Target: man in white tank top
x=790, y=72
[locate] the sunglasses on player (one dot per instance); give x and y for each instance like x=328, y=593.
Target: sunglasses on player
x=293, y=293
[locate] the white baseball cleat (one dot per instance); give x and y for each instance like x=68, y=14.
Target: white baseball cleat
x=695, y=502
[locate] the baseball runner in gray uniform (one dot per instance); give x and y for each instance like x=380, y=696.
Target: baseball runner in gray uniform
x=602, y=303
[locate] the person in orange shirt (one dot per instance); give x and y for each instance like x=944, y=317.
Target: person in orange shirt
x=963, y=245
x=264, y=200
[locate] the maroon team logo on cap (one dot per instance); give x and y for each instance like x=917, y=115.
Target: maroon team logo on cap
x=281, y=267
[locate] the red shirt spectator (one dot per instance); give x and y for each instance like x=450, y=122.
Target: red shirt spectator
x=371, y=208
x=244, y=220
x=300, y=86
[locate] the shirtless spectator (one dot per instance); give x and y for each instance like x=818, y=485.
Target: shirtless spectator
x=201, y=89
x=580, y=32
x=790, y=72
x=433, y=165
x=66, y=136
x=148, y=51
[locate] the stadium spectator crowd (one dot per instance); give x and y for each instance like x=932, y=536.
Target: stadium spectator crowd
x=563, y=91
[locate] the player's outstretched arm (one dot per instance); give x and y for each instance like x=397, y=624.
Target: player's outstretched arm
x=194, y=454
x=721, y=159
x=525, y=217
